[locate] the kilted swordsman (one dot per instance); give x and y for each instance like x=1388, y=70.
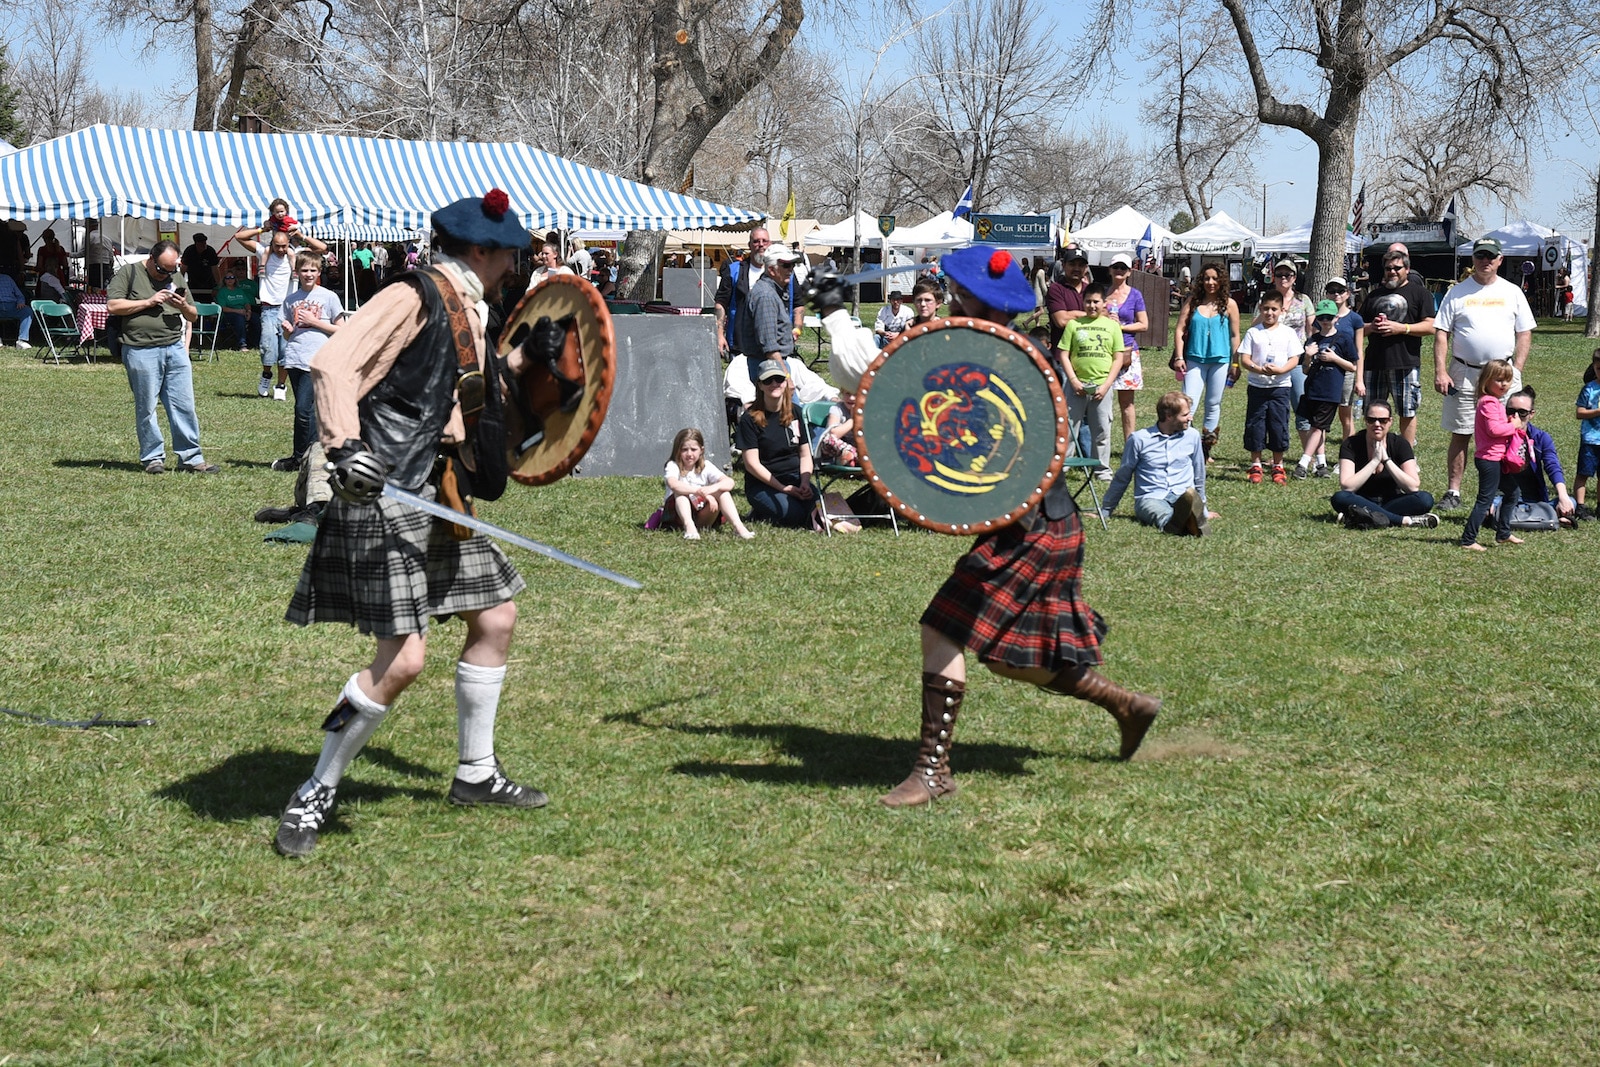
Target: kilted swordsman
x=388, y=410
x=1014, y=598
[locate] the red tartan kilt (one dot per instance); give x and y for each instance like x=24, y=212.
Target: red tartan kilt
x=1014, y=598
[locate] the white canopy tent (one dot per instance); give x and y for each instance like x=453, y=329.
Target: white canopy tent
x=6, y=148
x=1119, y=232
x=939, y=234
x=842, y=234
x=1525, y=238
x=1299, y=240
x=1220, y=235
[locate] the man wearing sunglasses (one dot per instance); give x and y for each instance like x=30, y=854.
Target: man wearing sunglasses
x=151, y=299
x=1398, y=314
x=1482, y=318
x=1379, y=483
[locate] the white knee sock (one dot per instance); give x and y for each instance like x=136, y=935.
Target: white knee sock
x=477, y=701
x=338, y=749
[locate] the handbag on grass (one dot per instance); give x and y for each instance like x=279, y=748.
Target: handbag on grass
x=1535, y=515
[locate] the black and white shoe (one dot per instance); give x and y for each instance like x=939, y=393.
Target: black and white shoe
x=496, y=789
x=302, y=821
x=287, y=463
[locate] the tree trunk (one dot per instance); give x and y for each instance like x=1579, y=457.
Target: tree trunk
x=1592, y=330
x=690, y=101
x=1335, y=177
x=207, y=86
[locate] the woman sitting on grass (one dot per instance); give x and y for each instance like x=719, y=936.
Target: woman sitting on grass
x=776, y=454
x=698, y=494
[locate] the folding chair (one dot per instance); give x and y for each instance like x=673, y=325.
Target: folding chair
x=59, y=324
x=1090, y=467
x=815, y=415
x=202, y=332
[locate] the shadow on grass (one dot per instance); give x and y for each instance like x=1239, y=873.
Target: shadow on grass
x=100, y=464
x=247, y=464
x=253, y=784
x=239, y=396
x=825, y=757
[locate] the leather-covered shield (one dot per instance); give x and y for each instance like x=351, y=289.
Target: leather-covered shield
x=554, y=409
x=961, y=425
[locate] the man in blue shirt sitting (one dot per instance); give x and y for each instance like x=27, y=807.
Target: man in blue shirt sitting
x=1169, y=466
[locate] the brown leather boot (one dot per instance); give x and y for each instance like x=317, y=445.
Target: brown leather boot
x=930, y=776
x=1134, y=712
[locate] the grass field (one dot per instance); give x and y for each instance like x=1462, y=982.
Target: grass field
x=1362, y=832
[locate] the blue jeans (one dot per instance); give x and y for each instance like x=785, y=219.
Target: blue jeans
x=1155, y=510
x=1489, y=483
x=273, y=341
x=238, y=323
x=1409, y=504
x=1297, y=389
x=24, y=319
x=163, y=373
x=781, y=509
x=305, y=411
x=1210, y=379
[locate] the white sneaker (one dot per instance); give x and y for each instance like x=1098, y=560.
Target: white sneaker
x=263, y=386
x=23, y=344
x=280, y=393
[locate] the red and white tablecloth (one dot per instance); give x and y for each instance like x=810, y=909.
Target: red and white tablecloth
x=91, y=317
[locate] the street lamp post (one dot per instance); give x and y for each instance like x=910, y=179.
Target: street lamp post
x=1264, y=187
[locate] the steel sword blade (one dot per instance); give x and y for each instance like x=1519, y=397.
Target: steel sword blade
x=490, y=529
x=877, y=272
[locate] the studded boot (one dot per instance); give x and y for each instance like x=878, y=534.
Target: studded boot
x=930, y=776
x=1134, y=712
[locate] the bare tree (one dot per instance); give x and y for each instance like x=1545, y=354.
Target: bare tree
x=989, y=81
x=1358, y=46
x=706, y=56
x=1207, y=127
x=1451, y=154
x=220, y=42
x=1080, y=176
x=54, y=91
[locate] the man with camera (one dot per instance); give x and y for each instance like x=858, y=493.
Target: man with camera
x=273, y=285
x=152, y=300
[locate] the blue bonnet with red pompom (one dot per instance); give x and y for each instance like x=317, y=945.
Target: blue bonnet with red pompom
x=992, y=276
x=485, y=220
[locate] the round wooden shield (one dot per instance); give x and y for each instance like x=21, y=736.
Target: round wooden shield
x=567, y=434
x=961, y=425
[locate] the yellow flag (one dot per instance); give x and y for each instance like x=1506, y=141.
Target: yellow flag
x=788, y=217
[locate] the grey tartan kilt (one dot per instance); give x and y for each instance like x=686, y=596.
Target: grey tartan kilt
x=387, y=569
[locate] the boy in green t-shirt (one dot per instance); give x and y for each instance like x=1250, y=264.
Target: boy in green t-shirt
x=1095, y=356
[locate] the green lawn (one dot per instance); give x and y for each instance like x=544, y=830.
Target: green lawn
x=1362, y=832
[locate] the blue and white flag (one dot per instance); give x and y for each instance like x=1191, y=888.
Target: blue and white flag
x=1145, y=242
x=963, y=206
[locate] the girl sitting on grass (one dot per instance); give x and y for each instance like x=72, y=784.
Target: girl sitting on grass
x=1493, y=432
x=698, y=494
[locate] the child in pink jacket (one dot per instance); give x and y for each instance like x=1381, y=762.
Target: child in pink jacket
x=1493, y=432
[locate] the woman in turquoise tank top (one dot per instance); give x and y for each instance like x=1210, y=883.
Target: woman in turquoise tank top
x=1205, y=346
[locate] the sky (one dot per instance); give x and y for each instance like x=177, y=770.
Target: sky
x=1558, y=173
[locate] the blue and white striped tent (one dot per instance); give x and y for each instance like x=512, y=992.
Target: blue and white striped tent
x=337, y=186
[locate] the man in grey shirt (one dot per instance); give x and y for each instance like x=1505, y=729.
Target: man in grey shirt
x=770, y=324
